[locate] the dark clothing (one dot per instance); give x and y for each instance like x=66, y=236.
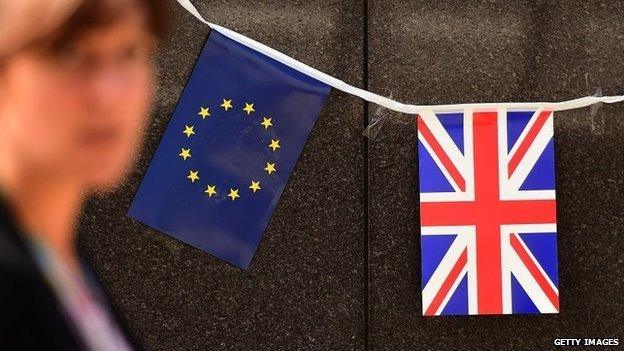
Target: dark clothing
x=30, y=316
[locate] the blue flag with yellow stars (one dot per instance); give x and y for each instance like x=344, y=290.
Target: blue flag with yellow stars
x=228, y=151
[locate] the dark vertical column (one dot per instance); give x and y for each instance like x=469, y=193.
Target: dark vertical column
x=304, y=289
x=366, y=166
x=433, y=52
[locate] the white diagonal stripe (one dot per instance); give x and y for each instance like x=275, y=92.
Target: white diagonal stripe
x=463, y=236
x=544, y=136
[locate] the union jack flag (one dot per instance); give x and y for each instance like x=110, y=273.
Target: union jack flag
x=488, y=212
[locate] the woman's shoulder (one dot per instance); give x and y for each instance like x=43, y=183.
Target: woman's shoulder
x=19, y=278
x=14, y=260
x=13, y=250
x=17, y=268
x=30, y=318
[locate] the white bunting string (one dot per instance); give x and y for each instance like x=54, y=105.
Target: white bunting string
x=384, y=101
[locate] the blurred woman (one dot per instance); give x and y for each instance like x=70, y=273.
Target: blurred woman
x=76, y=80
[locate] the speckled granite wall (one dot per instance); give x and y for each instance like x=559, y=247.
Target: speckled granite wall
x=305, y=286
x=308, y=285
x=442, y=52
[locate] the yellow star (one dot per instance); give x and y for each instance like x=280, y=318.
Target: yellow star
x=186, y=153
x=188, y=131
x=211, y=190
x=249, y=108
x=193, y=176
x=270, y=168
x=233, y=194
x=274, y=144
x=255, y=186
x=204, y=112
x=227, y=104
x=266, y=122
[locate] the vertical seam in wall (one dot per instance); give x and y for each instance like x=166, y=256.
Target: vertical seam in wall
x=365, y=146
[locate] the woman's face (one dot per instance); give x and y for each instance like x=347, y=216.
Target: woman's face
x=78, y=111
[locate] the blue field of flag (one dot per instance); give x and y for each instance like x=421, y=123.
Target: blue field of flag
x=228, y=151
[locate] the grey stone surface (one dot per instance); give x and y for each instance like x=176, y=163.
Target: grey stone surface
x=305, y=286
x=490, y=51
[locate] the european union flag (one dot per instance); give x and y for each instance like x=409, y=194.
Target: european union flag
x=229, y=149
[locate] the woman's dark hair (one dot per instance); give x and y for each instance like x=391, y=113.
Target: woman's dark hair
x=94, y=14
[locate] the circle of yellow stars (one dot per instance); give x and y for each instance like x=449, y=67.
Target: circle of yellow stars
x=211, y=189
